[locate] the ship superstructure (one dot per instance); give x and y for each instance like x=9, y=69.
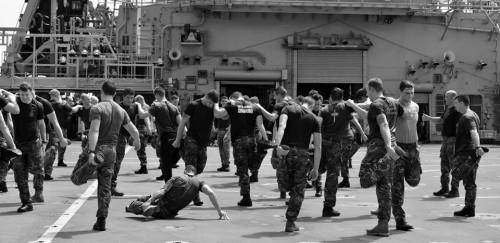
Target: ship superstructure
x=253, y=46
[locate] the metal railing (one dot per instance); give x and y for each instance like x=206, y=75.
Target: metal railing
x=468, y=6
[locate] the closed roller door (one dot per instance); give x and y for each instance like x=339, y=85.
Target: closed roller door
x=329, y=66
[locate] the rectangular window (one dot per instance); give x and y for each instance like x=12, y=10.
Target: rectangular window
x=76, y=5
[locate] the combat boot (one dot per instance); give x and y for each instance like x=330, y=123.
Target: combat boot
x=197, y=201
x=100, y=224
x=291, y=227
x=25, y=208
x=401, y=224
x=62, y=164
x=160, y=178
x=375, y=212
x=330, y=212
x=224, y=168
x=38, y=197
x=116, y=193
x=442, y=192
x=309, y=185
x=142, y=170
x=254, y=177
x=466, y=212
x=246, y=201
x=453, y=193
x=47, y=177
x=381, y=229
x=345, y=183
x=3, y=186
x=319, y=192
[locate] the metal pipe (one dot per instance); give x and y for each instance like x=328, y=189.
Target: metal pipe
x=468, y=28
x=168, y=26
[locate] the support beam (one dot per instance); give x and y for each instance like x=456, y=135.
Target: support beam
x=448, y=24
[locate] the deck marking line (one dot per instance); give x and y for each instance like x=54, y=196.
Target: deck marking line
x=56, y=227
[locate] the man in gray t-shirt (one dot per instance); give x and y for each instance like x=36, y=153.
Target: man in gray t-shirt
x=107, y=118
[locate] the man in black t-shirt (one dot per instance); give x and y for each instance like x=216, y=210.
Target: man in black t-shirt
x=175, y=195
x=376, y=167
x=83, y=115
x=337, y=139
x=166, y=117
x=282, y=100
x=7, y=146
x=468, y=152
x=28, y=127
x=133, y=109
x=199, y=117
x=63, y=114
x=296, y=126
x=448, y=121
x=244, y=117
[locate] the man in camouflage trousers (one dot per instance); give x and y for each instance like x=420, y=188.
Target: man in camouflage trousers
x=107, y=118
x=468, y=153
x=144, y=127
x=377, y=166
x=448, y=121
x=408, y=165
x=244, y=117
x=296, y=126
x=7, y=146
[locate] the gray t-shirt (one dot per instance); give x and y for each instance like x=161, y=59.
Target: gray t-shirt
x=112, y=118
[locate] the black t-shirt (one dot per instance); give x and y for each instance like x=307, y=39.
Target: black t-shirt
x=47, y=109
x=301, y=124
x=450, y=119
x=466, y=123
x=26, y=122
x=3, y=102
x=336, y=121
x=200, y=122
x=243, y=115
x=221, y=123
x=84, y=115
x=278, y=108
x=184, y=189
x=165, y=114
x=390, y=108
x=63, y=113
x=132, y=112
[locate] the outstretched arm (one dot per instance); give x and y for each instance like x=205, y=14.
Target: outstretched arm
x=211, y=194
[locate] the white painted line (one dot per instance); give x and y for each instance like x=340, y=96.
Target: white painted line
x=56, y=227
x=52, y=231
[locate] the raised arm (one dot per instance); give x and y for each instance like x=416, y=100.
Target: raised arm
x=269, y=116
x=12, y=106
x=220, y=113
x=363, y=113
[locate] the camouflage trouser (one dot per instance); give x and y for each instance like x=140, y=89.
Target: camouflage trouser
x=83, y=171
x=348, y=148
x=376, y=169
x=406, y=167
x=243, y=150
x=292, y=176
x=120, y=154
x=4, y=163
x=194, y=154
x=332, y=152
x=30, y=161
x=466, y=169
x=447, y=165
x=258, y=156
x=275, y=161
x=168, y=155
x=223, y=145
x=51, y=150
x=141, y=153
